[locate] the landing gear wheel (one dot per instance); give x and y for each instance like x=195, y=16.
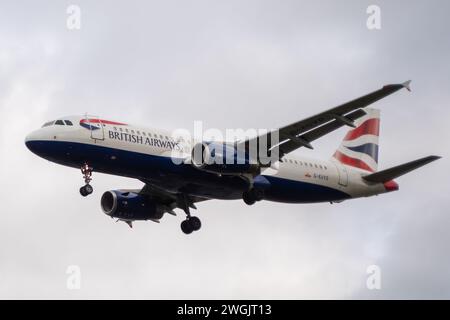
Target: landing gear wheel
x=83, y=192
x=195, y=223
x=186, y=227
x=248, y=198
x=86, y=190
x=252, y=195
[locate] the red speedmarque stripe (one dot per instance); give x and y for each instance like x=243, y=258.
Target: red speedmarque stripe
x=102, y=121
x=371, y=126
x=352, y=161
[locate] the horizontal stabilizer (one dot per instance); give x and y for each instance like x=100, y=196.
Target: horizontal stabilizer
x=395, y=172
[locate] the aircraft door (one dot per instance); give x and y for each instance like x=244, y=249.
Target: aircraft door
x=96, y=127
x=343, y=174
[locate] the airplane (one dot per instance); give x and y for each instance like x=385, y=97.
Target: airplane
x=92, y=144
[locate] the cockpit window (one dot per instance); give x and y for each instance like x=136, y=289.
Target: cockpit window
x=58, y=123
x=48, y=124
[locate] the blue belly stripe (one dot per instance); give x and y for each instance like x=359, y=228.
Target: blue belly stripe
x=162, y=171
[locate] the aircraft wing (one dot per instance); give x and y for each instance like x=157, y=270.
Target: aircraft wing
x=290, y=145
x=170, y=200
x=167, y=200
x=303, y=132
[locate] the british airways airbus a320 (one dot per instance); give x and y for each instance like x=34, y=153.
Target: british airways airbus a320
x=97, y=145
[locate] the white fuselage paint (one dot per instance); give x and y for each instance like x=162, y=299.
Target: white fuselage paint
x=155, y=142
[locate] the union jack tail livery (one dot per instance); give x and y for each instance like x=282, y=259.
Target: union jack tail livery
x=359, y=148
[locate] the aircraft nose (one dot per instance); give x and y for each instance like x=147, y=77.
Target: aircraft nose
x=31, y=141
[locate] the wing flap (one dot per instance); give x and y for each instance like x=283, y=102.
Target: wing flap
x=170, y=200
x=291, y=145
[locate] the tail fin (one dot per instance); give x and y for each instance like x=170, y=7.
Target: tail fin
x=359, y=148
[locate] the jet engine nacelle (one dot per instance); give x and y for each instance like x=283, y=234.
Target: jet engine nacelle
x=130, y=206
x=222, y=158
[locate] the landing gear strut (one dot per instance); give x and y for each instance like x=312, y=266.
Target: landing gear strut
x=87, y=176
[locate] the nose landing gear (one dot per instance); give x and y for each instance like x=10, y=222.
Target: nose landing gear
x=87, y=189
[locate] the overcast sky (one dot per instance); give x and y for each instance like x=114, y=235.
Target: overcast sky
x=231, y=64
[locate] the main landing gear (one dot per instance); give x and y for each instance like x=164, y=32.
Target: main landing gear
x=191, y=223
x=87, y=176
x=253, y=195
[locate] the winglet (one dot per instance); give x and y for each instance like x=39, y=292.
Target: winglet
x=406, y=85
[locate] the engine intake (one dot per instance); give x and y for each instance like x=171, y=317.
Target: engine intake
x=130, y=206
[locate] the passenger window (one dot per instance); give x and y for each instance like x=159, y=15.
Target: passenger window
x=144, y=134
x=59, y=123
x=132, y=131
x=316, y=166
x=115, y=128
x=68, y=122
x=120, y=129
x=138, y=132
